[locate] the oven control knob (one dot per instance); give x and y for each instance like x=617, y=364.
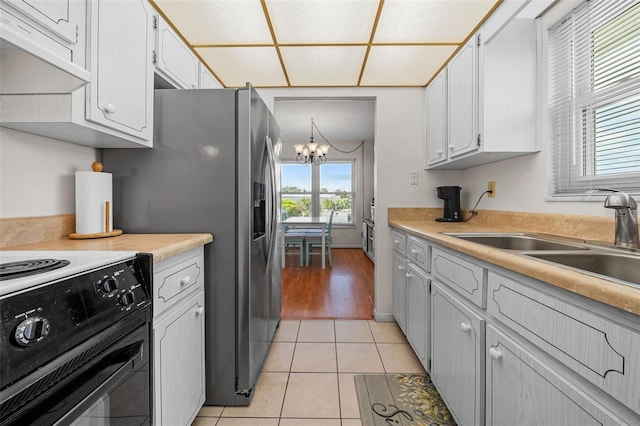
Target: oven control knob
x=32, y=330
x=109, y=285
x=127, y=298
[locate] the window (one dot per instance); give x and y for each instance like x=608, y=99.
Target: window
x=316, y=190
x=594, y=80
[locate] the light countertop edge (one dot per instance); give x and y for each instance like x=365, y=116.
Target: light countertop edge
x=161, y=246
x=621, y=296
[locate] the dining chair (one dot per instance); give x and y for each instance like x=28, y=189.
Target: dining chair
x=314, y=238
x=293, y=238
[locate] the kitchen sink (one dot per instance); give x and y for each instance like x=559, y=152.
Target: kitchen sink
x=519, y=242
x=606, y=265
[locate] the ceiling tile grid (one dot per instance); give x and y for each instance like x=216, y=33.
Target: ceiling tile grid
x=332, y=43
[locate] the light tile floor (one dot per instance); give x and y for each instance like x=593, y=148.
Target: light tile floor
x=307, y=378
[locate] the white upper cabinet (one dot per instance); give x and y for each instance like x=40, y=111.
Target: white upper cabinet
x=60, y=16
x=115, y=110
x=42, y=46
x=491, y=98
x=462, y=89
x=174, y=60
x=436, y=106
x=120, y=95
x=207, y=80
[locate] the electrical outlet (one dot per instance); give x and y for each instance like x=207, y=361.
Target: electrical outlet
x=413, y=178
x=491, y=186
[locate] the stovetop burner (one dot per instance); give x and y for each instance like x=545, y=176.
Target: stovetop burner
x=25, y=268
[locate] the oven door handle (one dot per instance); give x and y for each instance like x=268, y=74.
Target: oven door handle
x=110, y=382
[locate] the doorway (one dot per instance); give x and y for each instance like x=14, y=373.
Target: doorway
x=343, y=186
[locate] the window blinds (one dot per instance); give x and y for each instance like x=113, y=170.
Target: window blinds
x=594, y=83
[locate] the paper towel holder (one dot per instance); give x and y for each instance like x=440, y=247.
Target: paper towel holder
x=97, y=167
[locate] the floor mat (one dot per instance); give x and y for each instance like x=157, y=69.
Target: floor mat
x=400, y=399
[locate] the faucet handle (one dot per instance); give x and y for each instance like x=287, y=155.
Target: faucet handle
x=620, y=200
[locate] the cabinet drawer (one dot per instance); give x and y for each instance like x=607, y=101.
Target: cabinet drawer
x=419, y=252
x=177, y=277
x=601, y=351
x=399, y=242
x=463, y=276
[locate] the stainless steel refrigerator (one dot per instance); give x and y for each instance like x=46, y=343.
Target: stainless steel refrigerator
x=214, y=167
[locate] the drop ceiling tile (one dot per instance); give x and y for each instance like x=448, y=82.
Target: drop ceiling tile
x=430, y=21
x=236, y=66
x=218, y=22
x=404, y=65
x=318, y=22
x=323, y=65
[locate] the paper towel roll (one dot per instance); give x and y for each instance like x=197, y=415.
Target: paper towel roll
x=93, y=192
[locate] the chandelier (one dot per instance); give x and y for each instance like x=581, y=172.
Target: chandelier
x=311, y=153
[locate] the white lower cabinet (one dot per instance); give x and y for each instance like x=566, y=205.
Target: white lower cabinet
x=506, y=349
x=457, y=356
x=178, y=372
x=178, y=339
x=418, y=313
x=400, y=292
x=522, y=390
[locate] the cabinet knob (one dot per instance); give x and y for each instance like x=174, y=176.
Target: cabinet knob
x=439, y=153
x=408, y=275
x=109, y=108
x=414, y=251
x=185, y=280
x=465, y=327
x=396, y=242
x=199, y=311
x=495, y=354
x=451, y=148
x=401, y=267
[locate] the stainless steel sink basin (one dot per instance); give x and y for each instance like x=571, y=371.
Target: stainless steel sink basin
x=519, y=242
x=606, y=265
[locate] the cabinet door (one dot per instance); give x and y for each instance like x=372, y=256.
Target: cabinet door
x=59, y=16
x=120, y=95
x=521, y=390
x=436, y=106
x=457, y=356
x=178, y=372
x=207, y=80
x=418, y=316
x=400, y=292
x=463, y=100
x=174, y=60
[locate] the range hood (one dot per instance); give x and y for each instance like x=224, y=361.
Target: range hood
x=28, y=67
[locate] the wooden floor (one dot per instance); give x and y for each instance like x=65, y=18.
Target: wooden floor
x=344, y=291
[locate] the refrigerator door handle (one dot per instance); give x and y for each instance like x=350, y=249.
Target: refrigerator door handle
x=272, y=211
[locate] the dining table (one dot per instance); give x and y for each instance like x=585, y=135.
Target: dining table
x=303, y=223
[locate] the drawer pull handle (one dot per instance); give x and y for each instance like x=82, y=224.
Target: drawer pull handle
x=408, y=275
x=199, y=311
x=109, y=108
x=465, y=327
x=495, y=354
x=185, y=280
x=401, y=267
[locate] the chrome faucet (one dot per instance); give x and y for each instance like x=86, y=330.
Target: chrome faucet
x=626, y=219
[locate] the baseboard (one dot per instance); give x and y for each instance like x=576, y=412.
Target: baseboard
x=383, y=316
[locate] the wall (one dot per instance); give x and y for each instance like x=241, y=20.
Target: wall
x=37, y=174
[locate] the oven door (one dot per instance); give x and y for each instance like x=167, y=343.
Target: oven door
x=112, y=389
